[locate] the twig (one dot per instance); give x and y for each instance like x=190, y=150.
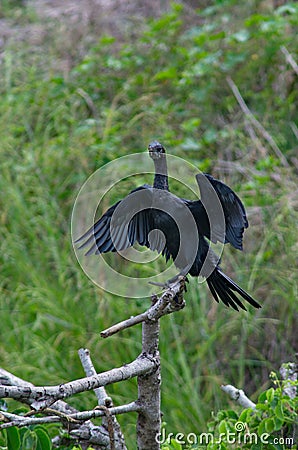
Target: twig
x=24, y=421
x=171, y=300
x=78, y=417
x=290, y=59
x=239, y=396
x=255, y=122
x=134, y=320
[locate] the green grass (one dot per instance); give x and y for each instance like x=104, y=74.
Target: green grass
x=57, y=128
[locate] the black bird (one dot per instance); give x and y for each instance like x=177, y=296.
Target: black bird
x=177, y=228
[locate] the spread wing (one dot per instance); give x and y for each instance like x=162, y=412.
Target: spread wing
x=233, y=209
x=128, y=221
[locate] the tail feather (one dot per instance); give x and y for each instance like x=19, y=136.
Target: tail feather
x=223, y=288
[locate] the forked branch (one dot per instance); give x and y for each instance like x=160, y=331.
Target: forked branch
x=48, y=399
x=170, y=301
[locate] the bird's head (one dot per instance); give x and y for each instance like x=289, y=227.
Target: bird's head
x=156, y=150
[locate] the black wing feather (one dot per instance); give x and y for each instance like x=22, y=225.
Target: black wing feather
x=234, y=211
x=131, y=223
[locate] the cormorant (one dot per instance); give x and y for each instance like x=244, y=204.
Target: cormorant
x=186, y=227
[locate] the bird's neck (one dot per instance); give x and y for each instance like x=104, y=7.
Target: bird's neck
x=161, y=174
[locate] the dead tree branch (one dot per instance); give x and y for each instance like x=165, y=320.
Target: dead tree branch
x=62, y=409
x=42, y=397
x=170, y=301
x=22, y=421
x=239, y=396
x=47, y=400
x=105, y=403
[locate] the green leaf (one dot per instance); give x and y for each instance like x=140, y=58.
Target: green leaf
x=257, y=446
x=245, y=415
x=28, y=440
x=191, y=125
x=175, y=445
x=43, y=439
x=232, y=414
x=222, y=427
x=262, y=397
x=269, y=425
x=278, y=423
x=13, y=438
x=167, y=74
x=107, y=40
x=270, y=392
x=261, y=428
x=278, y=411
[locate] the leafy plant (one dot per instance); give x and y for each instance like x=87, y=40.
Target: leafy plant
x=33, y=437
x=269, y=426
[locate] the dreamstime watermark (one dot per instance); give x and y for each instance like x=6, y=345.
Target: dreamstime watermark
x=241, y=435
x=115, y=180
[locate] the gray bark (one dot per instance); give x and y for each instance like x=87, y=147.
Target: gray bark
x=149, y=421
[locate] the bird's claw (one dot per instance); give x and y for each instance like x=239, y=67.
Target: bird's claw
x=164, y=286
x=169, y=283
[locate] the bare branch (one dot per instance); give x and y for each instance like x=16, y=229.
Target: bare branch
x=22, y=421
x=8, y=379
x=89, y=369
x=256, y=123
x=99, y=434
x=146, y=367
x=170, y=301
x=109, y=422
x=134, y=320
x=42, y=397
x=290, y=59
x=239, y=396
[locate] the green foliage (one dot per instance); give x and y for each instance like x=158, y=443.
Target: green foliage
x=67, y=109
x=33, y=438
x=270, y=426
x=181, y=74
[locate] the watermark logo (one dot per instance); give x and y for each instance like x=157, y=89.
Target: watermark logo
x=125, y=269
x=240, y=426
x=240, y=436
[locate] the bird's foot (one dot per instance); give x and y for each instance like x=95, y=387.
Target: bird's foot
x=178, y=278
x=164, y=286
